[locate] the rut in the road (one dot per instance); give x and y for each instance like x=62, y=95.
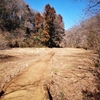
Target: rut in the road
x=29, y=85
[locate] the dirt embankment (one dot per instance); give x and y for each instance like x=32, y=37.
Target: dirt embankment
x=49, y=74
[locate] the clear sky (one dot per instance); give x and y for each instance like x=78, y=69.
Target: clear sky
x=70, y=10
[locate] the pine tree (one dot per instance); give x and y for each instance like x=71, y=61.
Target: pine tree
x=49, y=27
x=54, y=26
x=38, y=22
x=59, y=30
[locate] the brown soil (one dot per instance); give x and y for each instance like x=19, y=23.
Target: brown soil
x=49, y=74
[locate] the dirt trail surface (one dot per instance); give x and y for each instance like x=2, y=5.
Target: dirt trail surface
x=48, y=74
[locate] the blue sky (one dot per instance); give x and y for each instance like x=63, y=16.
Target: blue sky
x=71, y=11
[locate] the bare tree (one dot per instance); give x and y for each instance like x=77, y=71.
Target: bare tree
x=92, y=6
x=85, y=35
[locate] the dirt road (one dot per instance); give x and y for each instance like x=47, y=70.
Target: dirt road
x=46, y=74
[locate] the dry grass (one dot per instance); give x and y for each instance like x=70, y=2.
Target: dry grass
x=69, y=74
x=73, y=72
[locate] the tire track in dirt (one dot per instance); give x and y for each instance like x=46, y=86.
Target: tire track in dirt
x=29, y=85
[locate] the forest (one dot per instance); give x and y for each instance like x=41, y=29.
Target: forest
x=21, y=26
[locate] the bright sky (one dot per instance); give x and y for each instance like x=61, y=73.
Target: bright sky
x=71, y=11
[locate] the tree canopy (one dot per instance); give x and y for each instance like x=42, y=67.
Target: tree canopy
x=29, y=26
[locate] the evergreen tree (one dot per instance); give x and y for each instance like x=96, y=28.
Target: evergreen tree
x=49, y=27
x=53, y=26
x=59, y=30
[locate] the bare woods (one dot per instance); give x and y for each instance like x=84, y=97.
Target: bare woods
x=21, y=26
x=85, y=35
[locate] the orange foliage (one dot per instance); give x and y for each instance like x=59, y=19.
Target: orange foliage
x=45, y=36
x=38, y=21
